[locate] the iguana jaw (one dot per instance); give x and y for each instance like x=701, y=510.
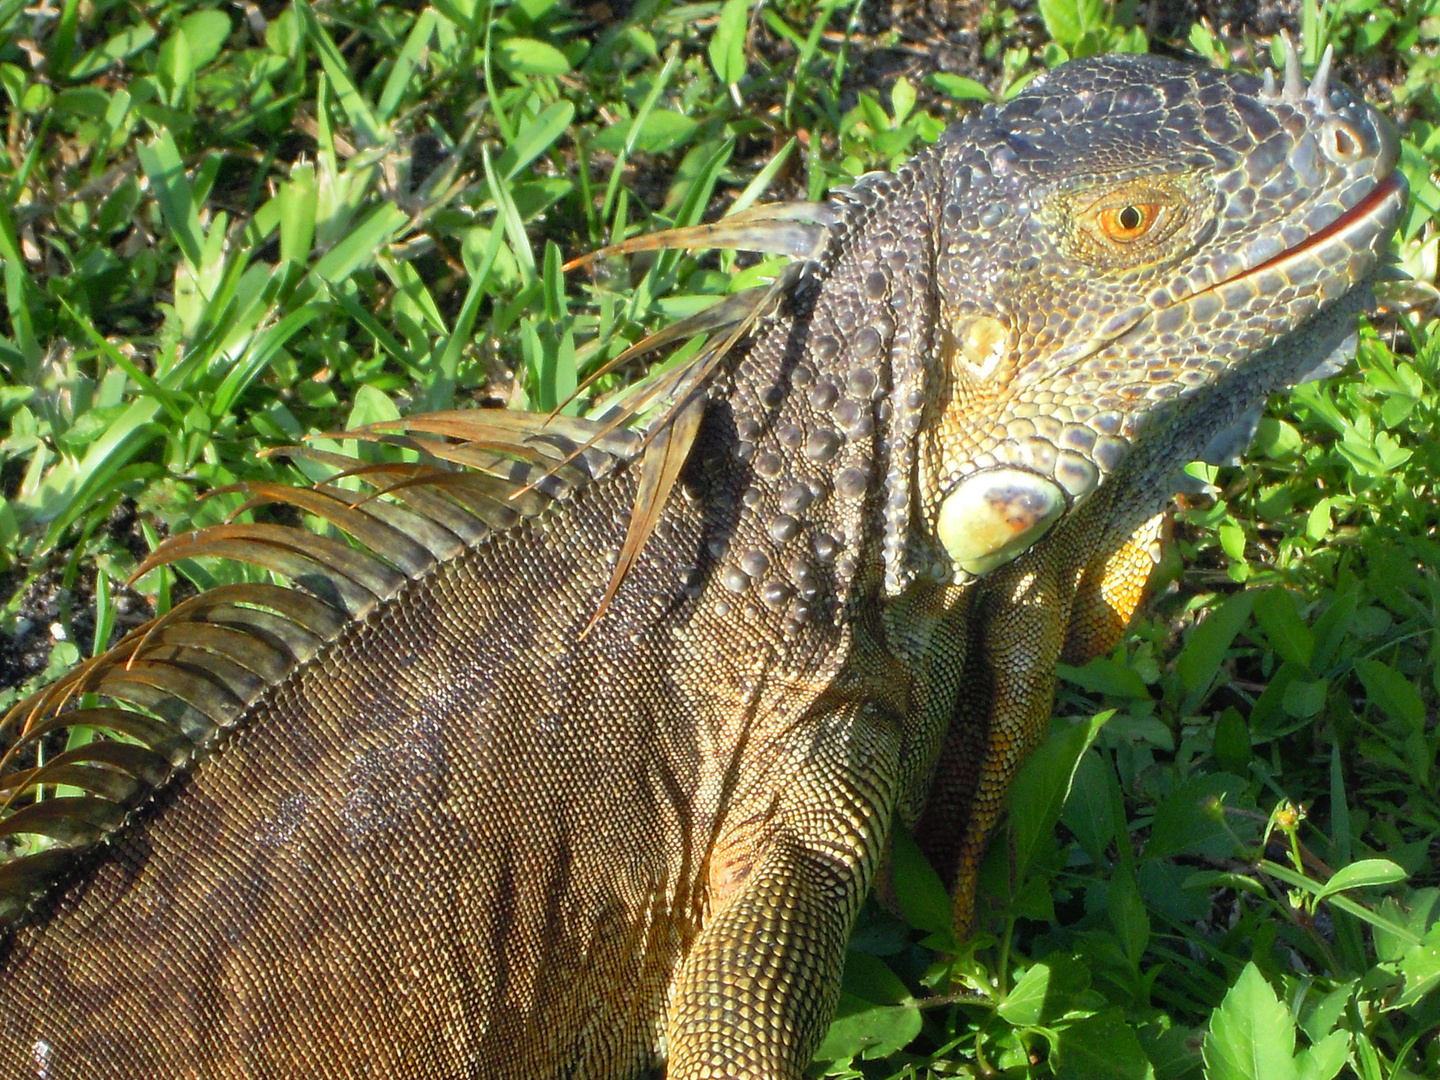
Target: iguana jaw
x=1072, y=411
x=1353, y=230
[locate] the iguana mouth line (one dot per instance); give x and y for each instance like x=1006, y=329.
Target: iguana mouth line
x=1365, y=212
x=1369, y=214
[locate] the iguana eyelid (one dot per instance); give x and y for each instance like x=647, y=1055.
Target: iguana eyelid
x=1092, y=233
x=1133, y=194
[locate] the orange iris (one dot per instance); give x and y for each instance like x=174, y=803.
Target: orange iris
x=1124, y=224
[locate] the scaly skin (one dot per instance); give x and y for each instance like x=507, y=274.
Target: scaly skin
x=453, y=829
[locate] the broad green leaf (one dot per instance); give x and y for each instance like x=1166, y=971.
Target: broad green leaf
x=1090, y=809
x=902, y=100
x=1421, y=967
x=371, y=407
x=918, y=888
x=1101, y=1047
x=283, y=36
x=1025, y=1003
x=1305, y=698
x=1162, y=885
x=1127, y=914
x=1275, y=439
x=1276, y=613
x=1200, y=659
x=727, y=43
x=176, y=69
x=1390, y=691
x=1106, y=676
x=869, y=1031
x=536, y=136
x=661, y=131
x=1174, y=1050
x=1268, y=710
x=533, y=197
x=1374, y=455
x=1047, y=991
x=1062, y=20
x=1325, y=1059
x=959, y=87
x=1252, y=1035
x=1192, y=816
x=1360, y=875
x=869, y=978
x=1232, y=541
x=1232, y=742
x=205, y=32
x=1038, y=792
x=1319, y=1017
x=120, y=46
x=526, y=56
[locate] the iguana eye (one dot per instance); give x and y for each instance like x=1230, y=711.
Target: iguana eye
x=1124, y=224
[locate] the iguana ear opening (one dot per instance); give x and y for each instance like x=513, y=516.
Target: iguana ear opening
x=975, y=347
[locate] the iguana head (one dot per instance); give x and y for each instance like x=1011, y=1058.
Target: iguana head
x=1130, y=244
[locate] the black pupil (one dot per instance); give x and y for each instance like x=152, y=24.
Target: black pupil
x=1130, y=219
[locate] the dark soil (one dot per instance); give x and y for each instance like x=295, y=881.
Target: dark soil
x=49, y=610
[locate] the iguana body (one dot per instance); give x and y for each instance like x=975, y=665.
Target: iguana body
x=433, y=818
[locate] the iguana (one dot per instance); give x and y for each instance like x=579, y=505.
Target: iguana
x=583, y=755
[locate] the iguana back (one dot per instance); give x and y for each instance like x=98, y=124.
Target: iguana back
x=467, y=837
x=431, y=851
x=591, y=760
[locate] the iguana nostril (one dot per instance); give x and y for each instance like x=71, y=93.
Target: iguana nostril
x=1341, y=142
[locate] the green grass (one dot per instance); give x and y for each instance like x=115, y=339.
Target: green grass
x=221, y=234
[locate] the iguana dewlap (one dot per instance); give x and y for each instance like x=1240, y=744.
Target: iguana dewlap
x=423, y=815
